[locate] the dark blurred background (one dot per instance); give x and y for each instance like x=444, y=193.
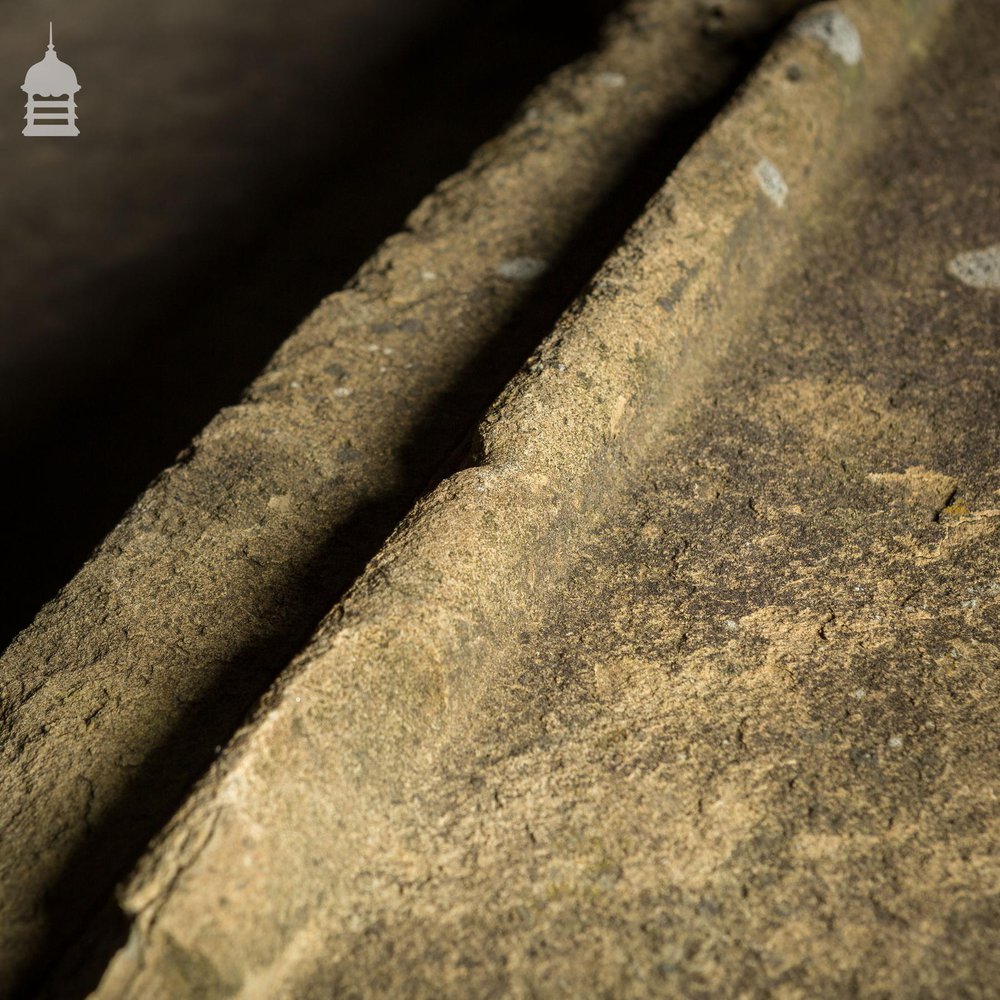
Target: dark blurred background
x=237, y=161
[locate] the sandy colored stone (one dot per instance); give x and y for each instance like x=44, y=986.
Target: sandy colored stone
x=121, y=692
x=688, y=685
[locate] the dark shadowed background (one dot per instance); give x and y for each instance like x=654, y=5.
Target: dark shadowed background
x=237, y=161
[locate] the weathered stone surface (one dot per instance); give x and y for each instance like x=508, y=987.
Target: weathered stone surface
x=689, y=686
x=113, y=700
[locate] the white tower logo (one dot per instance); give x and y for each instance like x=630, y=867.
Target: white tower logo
x=51, y=78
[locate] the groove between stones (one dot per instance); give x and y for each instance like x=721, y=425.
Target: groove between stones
x=232, y=898
x=116, y=697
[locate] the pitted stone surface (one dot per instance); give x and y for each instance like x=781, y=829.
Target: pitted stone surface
x=114, y=700
x=688, y=687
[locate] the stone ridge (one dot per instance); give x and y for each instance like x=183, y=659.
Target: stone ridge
x=235, y=895
x=114, y=699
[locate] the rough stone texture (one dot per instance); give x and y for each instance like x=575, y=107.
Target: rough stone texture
x=113, y=701
x=689, y=686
